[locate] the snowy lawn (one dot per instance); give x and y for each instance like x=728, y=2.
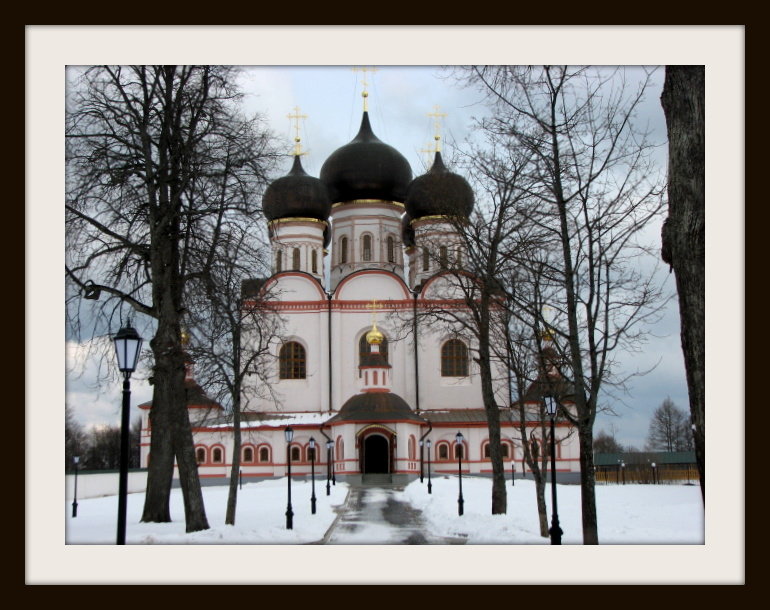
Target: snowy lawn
x=627, y=514
x=260, y=516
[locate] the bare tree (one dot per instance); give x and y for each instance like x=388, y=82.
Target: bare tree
x=596, y=190
x=669, y=429
x=75, y=439
x=143, y=142
x=234, y=326
x=684, y=232
x=605, y=442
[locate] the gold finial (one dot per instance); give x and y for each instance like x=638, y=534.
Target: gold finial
x=185, y=337
x=296, y=117
x=437, y=125
x=374, y=336
x=365, y=93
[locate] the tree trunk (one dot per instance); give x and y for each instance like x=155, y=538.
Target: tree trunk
x=542, y=512
x=232, y=496
x=684, y=246
x=588, y=484
x=499, y=488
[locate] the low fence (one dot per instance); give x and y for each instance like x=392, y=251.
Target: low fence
x=104, y=483
x=673, y=474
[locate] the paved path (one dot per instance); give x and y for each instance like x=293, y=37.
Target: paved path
x=376, y=515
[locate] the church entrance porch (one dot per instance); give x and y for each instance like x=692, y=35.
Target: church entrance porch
x=376, y=455
x=376, y=448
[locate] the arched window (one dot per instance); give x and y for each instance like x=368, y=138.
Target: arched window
x=425, y=259
x=314, y=261
x=443, y=451
x=278, y=261
x=248, y=455
x=216, y=455
x=443, y=257
x=364, y=349
x=292, y=361
x=503, y=451
x=454, y=359
x=295, y=259
x=391, y=250
x=412, y=448
x=459, y=257
x=200, y=455
x=264, y=454
x=340, y=451
x=366, y=248
x=296, y=454
x=344, y=250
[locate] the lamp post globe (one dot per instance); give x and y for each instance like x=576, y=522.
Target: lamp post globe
x=430, y=485
x=312, y=476
x=128, y=346
x=289, y=435
x=459, y=449
x=555, y=531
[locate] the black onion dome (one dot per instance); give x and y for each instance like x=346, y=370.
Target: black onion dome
x=375, y=406
x=407, y=231
x=366, y=168
x=297, y=195
x=439, y=192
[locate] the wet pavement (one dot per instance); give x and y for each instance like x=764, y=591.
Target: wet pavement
x=375, y=514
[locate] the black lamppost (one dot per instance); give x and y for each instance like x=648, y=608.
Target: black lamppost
x=329, y=445
x=513, y=473
x=623, y=471
x=459, y=442
x=75, y=459
x=421, y=473
x=312, y=475
x=128, y=344
x=430, y=486
x=289, y=434
x=555, y=531
x=654, y=475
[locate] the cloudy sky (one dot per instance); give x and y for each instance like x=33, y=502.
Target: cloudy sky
x=402, y=91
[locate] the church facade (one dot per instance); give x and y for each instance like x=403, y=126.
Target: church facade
x=365, y=383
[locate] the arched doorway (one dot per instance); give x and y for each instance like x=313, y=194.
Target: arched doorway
x=376, y=455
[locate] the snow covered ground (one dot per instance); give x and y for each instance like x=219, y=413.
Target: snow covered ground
x=660, y=526
x=628, y=514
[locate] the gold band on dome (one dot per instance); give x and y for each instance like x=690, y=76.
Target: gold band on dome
x=367, y=202
x=439, y=217
x=296, y=219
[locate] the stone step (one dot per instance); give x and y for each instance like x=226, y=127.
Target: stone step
x=377, y=479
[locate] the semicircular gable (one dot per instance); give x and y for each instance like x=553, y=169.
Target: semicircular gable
x=368, y=284
x=294, y=286
x=445, y=286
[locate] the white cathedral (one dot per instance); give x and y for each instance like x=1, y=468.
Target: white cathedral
x=371, y=402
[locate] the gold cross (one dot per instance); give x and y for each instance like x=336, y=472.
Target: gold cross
x=297, y=116
x=373, y=306
x=365, y=93
x=437, y=125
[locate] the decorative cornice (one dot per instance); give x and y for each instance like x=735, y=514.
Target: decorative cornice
x=296, y=219
x=368, y=202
